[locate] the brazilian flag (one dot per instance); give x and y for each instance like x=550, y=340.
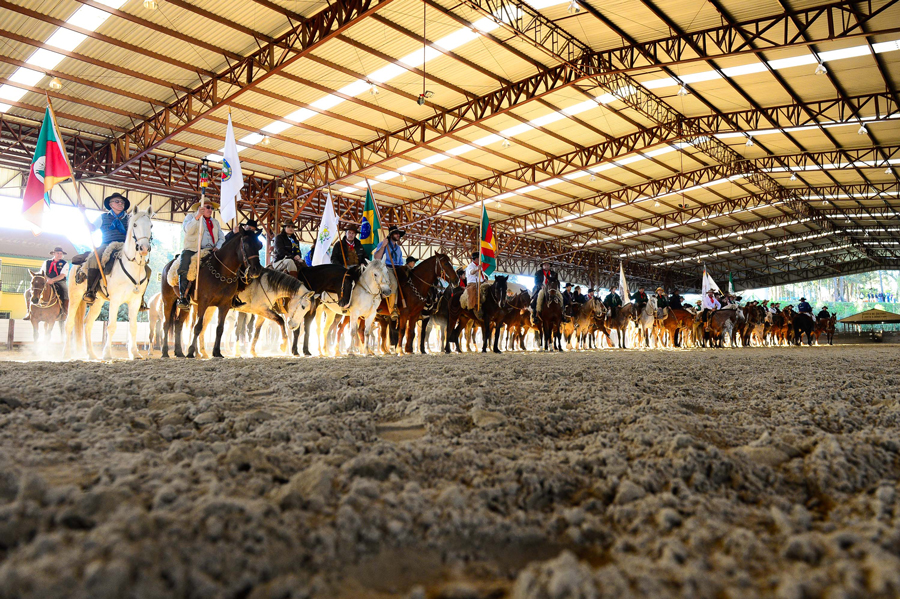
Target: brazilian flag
x=488, y=244
x=370, y=228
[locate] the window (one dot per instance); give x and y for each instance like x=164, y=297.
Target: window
x=4, y=315
x=15, y=279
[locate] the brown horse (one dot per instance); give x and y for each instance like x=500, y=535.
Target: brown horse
x=517, y=320
x=550, y=311
x=218, y=274
x=585, y=319
x=826, y=326
x=46, y=306
x=414, y=288
x=619, y=323
x=676, y=322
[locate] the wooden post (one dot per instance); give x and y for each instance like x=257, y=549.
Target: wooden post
x=11, y=334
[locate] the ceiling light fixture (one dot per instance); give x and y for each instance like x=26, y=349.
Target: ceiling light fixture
x=793, y=176
x=862, y=130
x=151, y=4
x=749, y=141
x=403, y=178
x=505, y=143
x=820, y=69
x=373, y=89
x=887, y=171
x=740, y=237
x=265, y=140
x=55, y=84
x=424, y=96
x=683, y=90
x=593, y=177
x=573, y=8
x=656, y=203
x=704, y=222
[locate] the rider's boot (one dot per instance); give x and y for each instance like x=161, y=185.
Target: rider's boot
x=65, y=309
x=28, y=312
x=236, y=302
x=183, y=300
x=93, y=281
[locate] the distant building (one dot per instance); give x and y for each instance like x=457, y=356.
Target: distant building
x=19, y=251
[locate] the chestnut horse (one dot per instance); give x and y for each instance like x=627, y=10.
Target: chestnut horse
x=46, y=307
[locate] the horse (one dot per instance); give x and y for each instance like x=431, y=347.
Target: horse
x=517, y=319
x=414, y=286
x=46, y=306
x=373, y=284
x=332, y=278
x=803, y=323
x=619, y=323
x=239, y=259
x=437, y=319
x=156, y=319
x=125, y=284
x=827, y=326
x=585, y=316
x=493, y=310
x=719, y=325
x=550, y=312
x=676, y=321
x=645, y=319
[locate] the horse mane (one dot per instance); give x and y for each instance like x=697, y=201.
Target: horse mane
x=279, y=281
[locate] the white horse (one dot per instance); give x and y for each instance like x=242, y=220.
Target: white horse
x=645, y=320
x=125, y=285
x=373, y=284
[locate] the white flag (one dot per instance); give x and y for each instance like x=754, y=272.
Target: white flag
x=232, y=177
x=623, y=286
x=708, y=283
x=328, y=232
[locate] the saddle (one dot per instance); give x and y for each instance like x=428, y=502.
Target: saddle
x=482, y=290
x=172, y=275
x=88, y=260
x=541, y=298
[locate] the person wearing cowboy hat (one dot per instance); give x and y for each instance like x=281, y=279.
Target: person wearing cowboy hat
x=390, y=251
x=824, y=313
x=113, y=225
x=287, y=245
x=675, y=300
x=248, y=225
x=349, y=251
x=803, y=307
x=56, y=269
x=578, y=297
x=474, y=278
x=544, y=276
x=199, y=222
x=708, y=305
x=411, y=262
x=640, y=299
x=662, y=303
x=613, y=301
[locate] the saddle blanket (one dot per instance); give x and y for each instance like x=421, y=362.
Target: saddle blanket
x=483, y=290
x=285, y=265
x=172, y=275
x=109, y=254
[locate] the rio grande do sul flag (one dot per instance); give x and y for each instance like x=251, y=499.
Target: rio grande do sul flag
x=48, y=167
x=488, y=244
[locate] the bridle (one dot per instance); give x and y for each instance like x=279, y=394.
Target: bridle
x=53, y=295
x=438, y=274
x=243, y=270
x=137, y=251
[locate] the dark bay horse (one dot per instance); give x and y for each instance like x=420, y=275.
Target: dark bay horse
x=46, y=305
x=493, y=311
x=219, y=275
x=550, y=311
x=414, y=289
x=619, y=322
x=517, y=320
x=325, y=278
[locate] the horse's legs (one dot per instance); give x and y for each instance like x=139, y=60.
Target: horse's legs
x=497, y=337
x=485, y=333
x=91, y=317
x=409, y=328
x=307, y=327
x=198, y=329
x=217, y=348
x=134, y=306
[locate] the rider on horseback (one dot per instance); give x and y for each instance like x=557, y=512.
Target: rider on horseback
x=640, y=299
x=662, y=303
x=613, y=302
x=114, y=225
x=390, y=251
x=824, y=313
x=56, y=270
x=709, y=305
x=578, y=297
x=247, y=225
x=349, y=251
x=675, y=300
x=804, y=308
x=544, y=276
x=474, y=277
x=200, y=223
x=287, y=245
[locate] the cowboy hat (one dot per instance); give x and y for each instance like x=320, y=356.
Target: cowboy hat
x=475, y=255
x=394, y=229
x=411, y=259
x=58, y=249
x=568, y=285
x=660, y=289
x=802, y=299
x=288, y=223
x=196, y=205
x=116, y=196
x=250, y=223
x=350, y=227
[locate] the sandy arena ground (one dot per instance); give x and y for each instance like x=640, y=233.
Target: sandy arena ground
x=701, y=473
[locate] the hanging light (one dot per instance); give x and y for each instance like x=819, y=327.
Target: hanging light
x=749, y=141
x=793, y=176
x=505, y=143
x=55, y=84
x=862, y=129
x=683, y=90
x=569, y=226
x=740, y=237
x=265, y=141
x=820, y=69
x=573, y=8
x=403, y=178
x=151, y=4
x=656, y=203
x=373, y=89
x=704, y=222
x=593, y=177
x=887, y=171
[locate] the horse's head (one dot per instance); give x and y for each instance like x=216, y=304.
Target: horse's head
x=445, y=269
x=140, y=226
x=498, y=290
x=377, y=277
x=249, y=254
x=298, y=306
x=38, y=286
x=652, y=303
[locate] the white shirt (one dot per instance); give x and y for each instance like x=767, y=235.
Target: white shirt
x=474, y=273
x=710, y=303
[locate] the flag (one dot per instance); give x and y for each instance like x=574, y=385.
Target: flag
x=232, y=176
x=623, y=285
x=730, y=283
x=488, y=244
x=708, y=283
x=328, y=233
x=370, y=228
x=49, y=166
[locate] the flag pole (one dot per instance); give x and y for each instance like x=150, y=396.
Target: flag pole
x=204, y=182
x=78, y=202
x=340, y=241
x=480, y=270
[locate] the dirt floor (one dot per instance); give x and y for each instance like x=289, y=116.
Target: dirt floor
x=765, y=472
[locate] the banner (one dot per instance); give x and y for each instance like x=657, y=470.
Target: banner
x=488, y=244
x=370, y=228
x=730, y=283
x=49, y=166
x=328, y=234
x=708, y=283
x=623, y=286
x=232, y=176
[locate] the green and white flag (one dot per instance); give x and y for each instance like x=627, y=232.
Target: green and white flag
x=730, y=284
x=370, y=227
x=328, y=233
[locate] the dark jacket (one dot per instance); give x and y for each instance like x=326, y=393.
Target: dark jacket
x=824, y=314
x=804, y=307
x=110, y=232
x=579, y=298
x=347, y=255
x=539, y=276
x=286, y=246
x=612, y=299
x=661, y=301
x=639, y=297
x=675, y=302
x=567, y=298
